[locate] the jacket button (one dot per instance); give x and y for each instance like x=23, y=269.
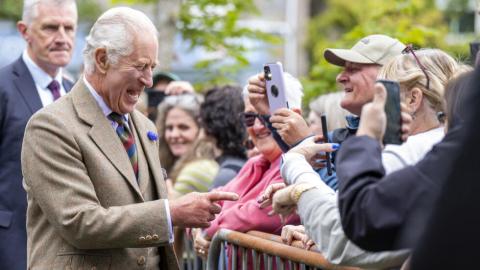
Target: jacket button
x=141, y=260
x=148, y=237
x=141, y=239
x=155, y=237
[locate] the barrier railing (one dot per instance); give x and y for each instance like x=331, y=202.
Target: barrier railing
x=257, y=250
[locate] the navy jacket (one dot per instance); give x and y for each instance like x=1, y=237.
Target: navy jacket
x=19, y=100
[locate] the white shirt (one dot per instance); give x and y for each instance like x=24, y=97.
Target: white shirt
x=395, y=157
x=42, y=80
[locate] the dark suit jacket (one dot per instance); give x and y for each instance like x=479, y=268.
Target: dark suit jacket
x=453, y=235
x=19, y=99
x=389, y=212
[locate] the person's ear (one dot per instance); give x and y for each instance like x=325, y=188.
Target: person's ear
x=101, y=60
x=416, y=97
x=297, y=110
x=22, y=29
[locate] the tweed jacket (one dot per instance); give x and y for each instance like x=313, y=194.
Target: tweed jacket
x=85, y=207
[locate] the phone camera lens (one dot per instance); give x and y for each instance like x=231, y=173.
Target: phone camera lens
x=274, y=90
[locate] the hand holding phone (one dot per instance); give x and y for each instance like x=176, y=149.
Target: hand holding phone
x=275, y=85
x=393, y=133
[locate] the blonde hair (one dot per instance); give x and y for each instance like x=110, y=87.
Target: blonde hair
x=439, y=66
x=329, y=104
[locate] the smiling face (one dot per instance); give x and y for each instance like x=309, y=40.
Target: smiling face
x=262, y=137
x=357, y=81
x=123, y=82
x=50, y=36
x=181, y=130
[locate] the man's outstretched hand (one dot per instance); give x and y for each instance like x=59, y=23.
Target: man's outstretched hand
x=197, y=210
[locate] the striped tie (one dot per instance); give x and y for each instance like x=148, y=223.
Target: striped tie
x=127, y=139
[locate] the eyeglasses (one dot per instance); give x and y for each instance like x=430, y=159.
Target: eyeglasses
x=409, y=49
x=249, y=118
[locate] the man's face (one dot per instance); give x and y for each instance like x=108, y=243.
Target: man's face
x=357, y=81
x=50, y=36
x=124, y=81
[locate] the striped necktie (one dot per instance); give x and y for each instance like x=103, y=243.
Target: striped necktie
x=127, y=139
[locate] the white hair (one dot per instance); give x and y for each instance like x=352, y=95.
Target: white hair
x=294, y=91
x=293, y=88
x=115, y=30
x=30, y=7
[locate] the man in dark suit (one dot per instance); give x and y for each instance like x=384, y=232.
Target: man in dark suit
x=33, y=81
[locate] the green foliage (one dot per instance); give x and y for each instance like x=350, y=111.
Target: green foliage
x=88, y=10
x=11, y=9
x=213, y=26
x=344, y=22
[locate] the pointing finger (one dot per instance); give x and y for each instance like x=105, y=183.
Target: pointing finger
x=222, y=196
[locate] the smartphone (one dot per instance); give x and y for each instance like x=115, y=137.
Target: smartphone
x=393, y=132
x=323, y=119
x=275, y=85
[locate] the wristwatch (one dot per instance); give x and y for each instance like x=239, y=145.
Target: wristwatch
x=299, y=189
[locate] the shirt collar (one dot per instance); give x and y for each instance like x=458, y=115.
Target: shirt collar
x=40, y=77
x=105, y=109
x=353, y=122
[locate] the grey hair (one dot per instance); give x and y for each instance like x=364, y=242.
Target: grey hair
x=115, y=30
x=294, y=91
x=30, y=11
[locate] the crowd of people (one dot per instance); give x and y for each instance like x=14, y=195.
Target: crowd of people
x=114, y=170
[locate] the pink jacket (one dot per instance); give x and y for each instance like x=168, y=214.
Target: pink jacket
x=245, y=214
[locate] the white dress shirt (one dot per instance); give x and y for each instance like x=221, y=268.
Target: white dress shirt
x=42, y=80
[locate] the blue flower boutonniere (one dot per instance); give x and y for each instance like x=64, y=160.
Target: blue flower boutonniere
x=152, y=136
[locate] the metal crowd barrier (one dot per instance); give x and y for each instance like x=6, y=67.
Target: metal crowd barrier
x=261, y=251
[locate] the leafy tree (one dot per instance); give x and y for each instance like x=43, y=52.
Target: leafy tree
x=344, y=22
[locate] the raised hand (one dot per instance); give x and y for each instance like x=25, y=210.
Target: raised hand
x=374, y=120
x=197, y=210
x=290, y=125
x=313, y=151
x=257, y=93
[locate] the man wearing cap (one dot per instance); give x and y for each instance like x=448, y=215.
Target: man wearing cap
x=361, y=65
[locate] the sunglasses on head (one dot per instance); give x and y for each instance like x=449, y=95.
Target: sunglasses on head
x=409, y=49
x=249, y=118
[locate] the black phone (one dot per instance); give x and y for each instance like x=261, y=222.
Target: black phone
x=393, y=132
x=323, y=119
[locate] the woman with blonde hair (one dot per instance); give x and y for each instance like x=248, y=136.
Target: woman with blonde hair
x=422, y=75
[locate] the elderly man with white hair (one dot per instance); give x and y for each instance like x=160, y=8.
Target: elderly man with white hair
x=27, y=84
x=96, y=193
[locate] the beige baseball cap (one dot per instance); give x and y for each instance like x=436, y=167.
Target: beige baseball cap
x=373, y=49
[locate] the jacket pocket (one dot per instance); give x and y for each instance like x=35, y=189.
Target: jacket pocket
x=84, y=261
x=5, y=218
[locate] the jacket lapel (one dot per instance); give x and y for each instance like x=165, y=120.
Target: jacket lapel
x=150, y=148
x=26, y=86
x=102, y=133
